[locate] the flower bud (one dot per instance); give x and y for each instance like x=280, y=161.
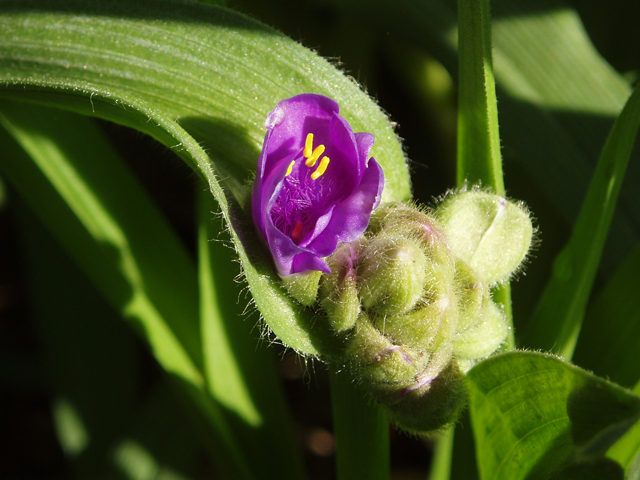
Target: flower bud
x=484, y=336
x=432, y=405
x=488, y=232
x=426, y=326
x=413, y=306
x=471, y=295
x=393, y=275
x=303, y=286
x=381, y=365
x=339, y=290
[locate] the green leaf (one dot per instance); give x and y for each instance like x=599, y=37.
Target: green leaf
x=557, y=320
x=240, y=374
x=627, y=450
x=633, y=473
x=608, y=342
x=535, y=416
x=109, y=227
x=94, y=388
x=199, y=79
x=96, y=210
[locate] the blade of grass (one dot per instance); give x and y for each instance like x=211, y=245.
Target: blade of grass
x=558, y=97
x=94, y=387
x=94, y=209
x=557, y=320
x=361, y=430
x=122, y=254
x=627, y=448
x=93, y=366
x=240, y=373
x=479, y=157
x=608, y=342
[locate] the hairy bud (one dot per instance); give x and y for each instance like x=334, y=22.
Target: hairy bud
x=339, y=290
x=393, y=273
x=412, y=305
x=488, y=232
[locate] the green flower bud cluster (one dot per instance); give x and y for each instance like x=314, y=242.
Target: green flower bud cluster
x=411, y=300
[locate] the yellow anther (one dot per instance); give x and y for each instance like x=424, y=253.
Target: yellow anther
x=324, y=163
x=290, y=168
x=308, y=146
x=311, y=161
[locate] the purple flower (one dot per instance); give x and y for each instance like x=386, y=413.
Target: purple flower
x=313, y=186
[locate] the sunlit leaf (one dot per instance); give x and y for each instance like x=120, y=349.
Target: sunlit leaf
x=199, y=79
x=94, y=209
x=535, y=416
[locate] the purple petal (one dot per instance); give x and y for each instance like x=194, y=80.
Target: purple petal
x=343, y=145
x=292, y=119
x=365, y=143
x=309, y=261
x=351, y=217
x=314, y=213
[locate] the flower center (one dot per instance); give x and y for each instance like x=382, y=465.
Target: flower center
x=303, y=200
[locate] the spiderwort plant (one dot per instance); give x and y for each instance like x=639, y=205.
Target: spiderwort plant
x=315, y=184
x=411, y=308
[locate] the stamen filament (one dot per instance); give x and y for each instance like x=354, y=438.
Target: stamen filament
x=290, y=168
x=311, y=161
x=324, y=163
x=308, y=146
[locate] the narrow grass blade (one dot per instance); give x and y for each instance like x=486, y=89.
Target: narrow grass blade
x=120, y=238
x=627, y=450
x=479, y=156
x=608, y=342
x=556, y=322
x=479, y=159
x=239, y=372
x=106, y=420
x=633, y=473
x=361, y=429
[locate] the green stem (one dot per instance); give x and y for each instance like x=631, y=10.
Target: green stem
x=361, y=429
x=479, y=158
x=442, y=456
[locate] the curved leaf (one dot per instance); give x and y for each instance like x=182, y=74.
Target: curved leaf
x=535, y=416
x=199, y=79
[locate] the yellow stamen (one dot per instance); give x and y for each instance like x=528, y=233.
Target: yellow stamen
x=308, y=145
x=290, y=168
x=311, y=161
x=324, y=163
